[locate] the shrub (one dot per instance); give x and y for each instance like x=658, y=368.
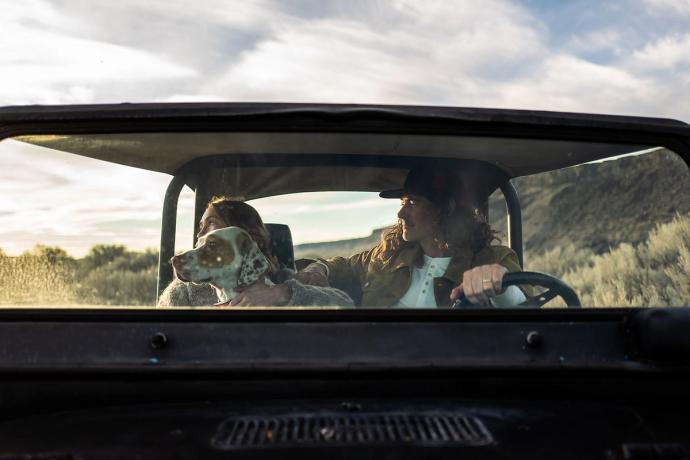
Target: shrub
x=108, y=275
x=32, y=279
x=559, y=260
x=102, y=254
x=104, y=286
x=136, y=261
x=653, y=273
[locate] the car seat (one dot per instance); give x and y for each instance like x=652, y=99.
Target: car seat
x=281, y=245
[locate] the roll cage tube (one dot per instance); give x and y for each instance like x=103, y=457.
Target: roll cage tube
x=514, y=216
x=168, y=228
x=201, y=199
x=172, y=194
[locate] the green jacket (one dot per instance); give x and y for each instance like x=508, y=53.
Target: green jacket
x=371, y=285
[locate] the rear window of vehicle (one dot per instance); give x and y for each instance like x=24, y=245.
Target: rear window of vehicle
x=80, y=231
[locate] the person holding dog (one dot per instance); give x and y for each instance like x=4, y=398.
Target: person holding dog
x=223, y=212
x=439, y=250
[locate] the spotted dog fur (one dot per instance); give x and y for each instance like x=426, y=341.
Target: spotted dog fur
x=226, y=258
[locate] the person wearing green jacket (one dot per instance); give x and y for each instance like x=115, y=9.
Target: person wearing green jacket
x=439, y=249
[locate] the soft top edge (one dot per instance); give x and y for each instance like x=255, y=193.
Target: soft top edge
x=47, y=113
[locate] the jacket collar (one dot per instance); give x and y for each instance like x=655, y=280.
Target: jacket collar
x=459, y=263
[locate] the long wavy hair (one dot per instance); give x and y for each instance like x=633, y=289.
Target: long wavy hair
x=459, y=226
x=237, y=213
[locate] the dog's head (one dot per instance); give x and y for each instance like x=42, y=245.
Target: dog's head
x=226, y=258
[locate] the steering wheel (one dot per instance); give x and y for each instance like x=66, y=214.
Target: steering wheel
x=554, y=287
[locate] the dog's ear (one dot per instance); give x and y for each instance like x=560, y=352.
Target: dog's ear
x=254, y=263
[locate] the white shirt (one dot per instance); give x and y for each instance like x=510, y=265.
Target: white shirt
x=420, y=294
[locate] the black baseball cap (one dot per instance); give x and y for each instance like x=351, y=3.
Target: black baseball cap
x=433, y=183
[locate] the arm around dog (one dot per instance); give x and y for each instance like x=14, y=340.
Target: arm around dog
x=346, y=274
x=291, y=293
x=181, y=294
x=316, y=296
x=353, y=268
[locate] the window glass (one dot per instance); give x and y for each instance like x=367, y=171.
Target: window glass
x=617, y=231
x=76, y=230
x=329, y=224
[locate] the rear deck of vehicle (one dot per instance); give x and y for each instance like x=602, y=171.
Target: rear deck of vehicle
x=351, y=383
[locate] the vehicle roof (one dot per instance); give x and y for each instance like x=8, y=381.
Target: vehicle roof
x=165, y=137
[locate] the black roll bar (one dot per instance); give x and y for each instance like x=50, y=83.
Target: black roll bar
x=168, y=228
x=514, y=216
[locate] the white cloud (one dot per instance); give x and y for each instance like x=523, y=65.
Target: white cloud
x=321, y=62
x=608, y=39
x=43, y=65
x=496, y=54
x=674, y=7
x=447, y=53
x=567, y=83
x=58, y=198
x=439, y=52
x=176, y=15
x=666, y=54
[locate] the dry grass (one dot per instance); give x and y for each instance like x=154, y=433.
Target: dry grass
x=656, y=272
x=653, y=273
x=29, y=279
x=40, y=278
x=119, y=287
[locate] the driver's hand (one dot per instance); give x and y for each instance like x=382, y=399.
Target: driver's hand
x=481, y=283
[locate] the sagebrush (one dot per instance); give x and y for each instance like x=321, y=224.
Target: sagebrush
x=107, y=275
x=655, y=272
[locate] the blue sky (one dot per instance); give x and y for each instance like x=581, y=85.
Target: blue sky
x=622, y=57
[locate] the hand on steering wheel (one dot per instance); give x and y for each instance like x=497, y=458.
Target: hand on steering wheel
x=481, y=283
x=555, y=287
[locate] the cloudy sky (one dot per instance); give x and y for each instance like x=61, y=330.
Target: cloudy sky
x=619, y=57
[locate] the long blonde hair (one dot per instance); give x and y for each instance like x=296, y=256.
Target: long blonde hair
x=459, y=227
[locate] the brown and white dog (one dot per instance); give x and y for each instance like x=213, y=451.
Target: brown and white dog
x=226, y=258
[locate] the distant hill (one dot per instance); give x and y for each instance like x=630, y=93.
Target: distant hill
x=337, y=248
x=597, y=206
x=593, y=206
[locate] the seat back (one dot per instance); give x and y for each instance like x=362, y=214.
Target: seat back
x=281, y=244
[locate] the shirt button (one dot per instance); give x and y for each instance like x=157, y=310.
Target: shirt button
x=424, y=292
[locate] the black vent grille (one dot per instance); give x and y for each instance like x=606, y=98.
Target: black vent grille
x=419, y=428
